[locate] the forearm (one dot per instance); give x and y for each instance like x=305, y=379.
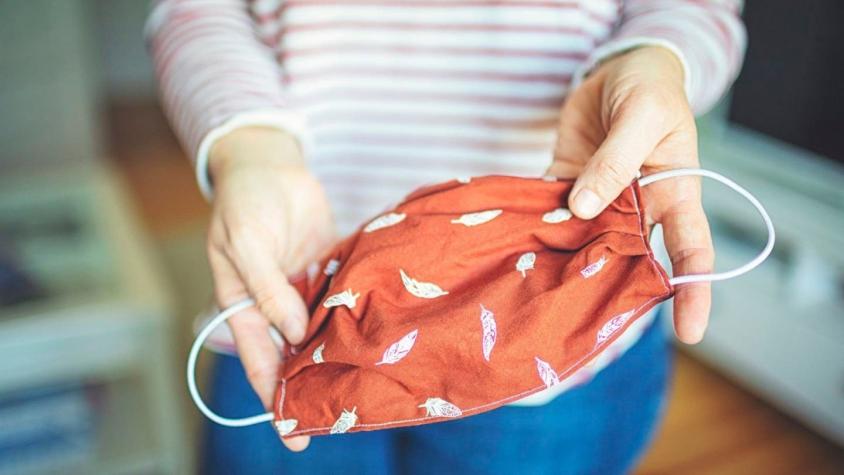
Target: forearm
x=215, y=75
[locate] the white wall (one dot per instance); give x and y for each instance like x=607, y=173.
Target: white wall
x=48, y=90
x=125, y=66
x=59, y=60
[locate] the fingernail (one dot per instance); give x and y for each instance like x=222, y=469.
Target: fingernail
x=692, y=334
x=586, y=203
x=698, y=332
x=294, y=329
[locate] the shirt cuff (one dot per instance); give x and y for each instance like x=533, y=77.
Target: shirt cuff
x=292, y=124
x=614, y=47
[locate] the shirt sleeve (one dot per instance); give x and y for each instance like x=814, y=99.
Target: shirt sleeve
x=215, y=75
x=707, y=36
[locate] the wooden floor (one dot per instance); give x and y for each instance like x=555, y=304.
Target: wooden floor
x=714, y=427
x=711, y=426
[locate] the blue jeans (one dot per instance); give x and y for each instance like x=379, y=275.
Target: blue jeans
x=597, y=428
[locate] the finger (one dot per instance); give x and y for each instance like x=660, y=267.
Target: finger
x=260, y=360
x=228, y=285
x=279, y=301
x=689, y=244
x=297, y=444
x=630, y=140
x=258, y=353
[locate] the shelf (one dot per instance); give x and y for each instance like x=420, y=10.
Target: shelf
x=105, y=320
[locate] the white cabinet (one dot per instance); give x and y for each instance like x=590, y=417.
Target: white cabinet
x=104, y=324
x=780, y=329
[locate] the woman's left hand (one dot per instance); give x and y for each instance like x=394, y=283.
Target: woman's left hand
x=631, y=114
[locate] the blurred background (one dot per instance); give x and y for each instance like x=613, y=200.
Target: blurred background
x=102, y=264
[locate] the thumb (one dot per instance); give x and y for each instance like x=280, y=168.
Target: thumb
x=276, y=299
x=614, y=165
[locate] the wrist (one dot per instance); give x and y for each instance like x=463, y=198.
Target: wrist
x=671, y=64
x=267, y=148
x=660, y=64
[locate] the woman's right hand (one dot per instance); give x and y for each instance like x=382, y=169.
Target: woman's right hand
x=270, y=220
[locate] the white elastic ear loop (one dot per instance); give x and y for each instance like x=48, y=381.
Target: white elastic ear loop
x=191, y=370
x=685, y=279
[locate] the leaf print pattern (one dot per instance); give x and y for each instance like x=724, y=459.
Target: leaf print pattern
x=546, y=373
x=474, y=219
x=436, y=407
x=346, y=421
x=613, y=325
x=317, y=356
x=525, y=263
x=384, y=221
x=423, y=290
x=331, y=267
x=490, y=331
x=345, y=297
x=557, y=216
x=593, y=268
x=398, y=350
x=286, y=426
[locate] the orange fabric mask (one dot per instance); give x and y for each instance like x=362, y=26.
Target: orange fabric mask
x=463, y=298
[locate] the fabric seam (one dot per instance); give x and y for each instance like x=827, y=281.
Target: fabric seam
x=651, y=258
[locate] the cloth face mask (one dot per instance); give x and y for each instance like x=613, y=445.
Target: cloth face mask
x=466, y=296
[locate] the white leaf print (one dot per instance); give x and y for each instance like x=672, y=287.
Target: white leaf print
x=346, y=421
x=546, y=373
x=384, y=221
x=345, y=297
x=317, y=356
x=464, y=179
x=423, y=290
x=474, y=219
x=525, y=263
x=557, y=216
x=399, y=349
x=593, y=268
x=490, y=331
x=613, y=325
x=331, y=267
x=285, y=426
x=436, y=407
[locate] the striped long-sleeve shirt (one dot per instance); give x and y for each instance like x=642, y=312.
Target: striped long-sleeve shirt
x=388, y=95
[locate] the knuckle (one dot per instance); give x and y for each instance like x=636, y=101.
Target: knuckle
x=650, y=104
x=246, y=231
x=212, y=249
x=694, y=260
x=227, y=292
x=259, y=372
x=268, y=302
x=243, y=235
x=214, y=239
